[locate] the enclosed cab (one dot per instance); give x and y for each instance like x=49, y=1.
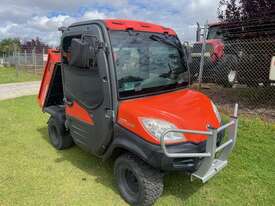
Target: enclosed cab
x=119, y=90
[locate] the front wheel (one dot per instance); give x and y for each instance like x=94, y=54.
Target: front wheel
x=138, y=183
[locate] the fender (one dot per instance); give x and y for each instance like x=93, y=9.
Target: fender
x=124, y=140
x=58, y=112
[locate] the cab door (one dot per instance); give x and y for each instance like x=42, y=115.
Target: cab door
x=87, y=93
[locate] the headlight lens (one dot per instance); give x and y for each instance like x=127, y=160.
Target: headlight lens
x=156, y=128
x=215, y=109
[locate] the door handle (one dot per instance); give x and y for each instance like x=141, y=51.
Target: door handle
x=68, y=102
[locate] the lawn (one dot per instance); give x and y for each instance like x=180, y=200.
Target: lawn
x=9, y=75
x=33, y=173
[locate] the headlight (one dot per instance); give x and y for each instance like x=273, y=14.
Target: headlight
x=215, y=109
x=156, y=128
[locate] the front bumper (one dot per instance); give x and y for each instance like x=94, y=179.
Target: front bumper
x=158, y=159
x=215, y=157
x=153, y=154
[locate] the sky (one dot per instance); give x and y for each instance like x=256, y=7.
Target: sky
x=29, y=19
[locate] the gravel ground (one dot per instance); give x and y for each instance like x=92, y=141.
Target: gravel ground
x=13, y=90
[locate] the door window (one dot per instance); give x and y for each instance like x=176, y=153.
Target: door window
x=81, y=84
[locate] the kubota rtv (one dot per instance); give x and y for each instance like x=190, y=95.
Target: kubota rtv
x=119, y=88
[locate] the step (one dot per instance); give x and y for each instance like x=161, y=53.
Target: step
x=216, y=167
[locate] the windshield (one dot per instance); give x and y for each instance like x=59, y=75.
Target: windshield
x=214, y=33
x=147, y=62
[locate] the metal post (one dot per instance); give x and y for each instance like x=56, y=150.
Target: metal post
x=203, y=52
x=43, y=53
x=17, y=64
x=34, y=60
x=25, y=57
x=13, y=58
x=19, y=58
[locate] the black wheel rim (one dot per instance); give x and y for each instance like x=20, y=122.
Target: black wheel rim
x=54, y=136
x=130, y=182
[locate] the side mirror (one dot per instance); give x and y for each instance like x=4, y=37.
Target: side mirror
x=82, y=53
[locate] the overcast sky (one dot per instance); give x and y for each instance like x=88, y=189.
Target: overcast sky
x=40, y=18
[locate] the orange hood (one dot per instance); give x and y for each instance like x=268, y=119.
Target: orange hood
x=186, y=109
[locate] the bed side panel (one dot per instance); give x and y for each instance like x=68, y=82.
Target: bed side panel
x=53, y=59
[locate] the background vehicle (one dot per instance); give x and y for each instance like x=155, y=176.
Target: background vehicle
x=214, y=52
x=118, y=89
x=233, y=51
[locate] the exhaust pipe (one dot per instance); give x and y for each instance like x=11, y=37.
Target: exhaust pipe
x=198, y=32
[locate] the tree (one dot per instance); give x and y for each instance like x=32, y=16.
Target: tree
x=249, y=8
x=256, y=8
x=9, y=45
x=237, y=10
x=34, y=45
x=229, y=10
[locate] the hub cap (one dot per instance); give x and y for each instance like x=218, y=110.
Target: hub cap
x=232, y=76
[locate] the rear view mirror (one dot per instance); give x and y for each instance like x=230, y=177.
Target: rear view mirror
x=82, y=53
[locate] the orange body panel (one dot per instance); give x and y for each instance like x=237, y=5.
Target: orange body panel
x=119, y=24
x=186, y=109
x=76, y=111
x=53, y=59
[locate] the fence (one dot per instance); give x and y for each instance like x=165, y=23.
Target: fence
x=235, y=71
x=31, y=63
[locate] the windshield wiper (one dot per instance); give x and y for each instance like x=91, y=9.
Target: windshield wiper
x=143, y=91
x=165, y=41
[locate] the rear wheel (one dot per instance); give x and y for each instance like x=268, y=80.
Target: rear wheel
x=138, y=183
x=59, y=137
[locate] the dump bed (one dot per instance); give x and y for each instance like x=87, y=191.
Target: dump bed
x=53, y=63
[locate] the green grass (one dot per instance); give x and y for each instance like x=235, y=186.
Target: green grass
x=9, y=75
x=33, y=173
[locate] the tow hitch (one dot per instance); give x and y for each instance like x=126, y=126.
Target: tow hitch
x=211, y=163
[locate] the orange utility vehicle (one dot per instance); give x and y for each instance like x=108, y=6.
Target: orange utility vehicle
x=119, y=89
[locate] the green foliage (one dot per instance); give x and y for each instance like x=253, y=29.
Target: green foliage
x=232, y=11
x=256, y=8
x=34, y=173
x=237, y=10
x=7, y=46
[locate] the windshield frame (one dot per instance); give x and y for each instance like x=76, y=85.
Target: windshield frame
x=165, y=88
